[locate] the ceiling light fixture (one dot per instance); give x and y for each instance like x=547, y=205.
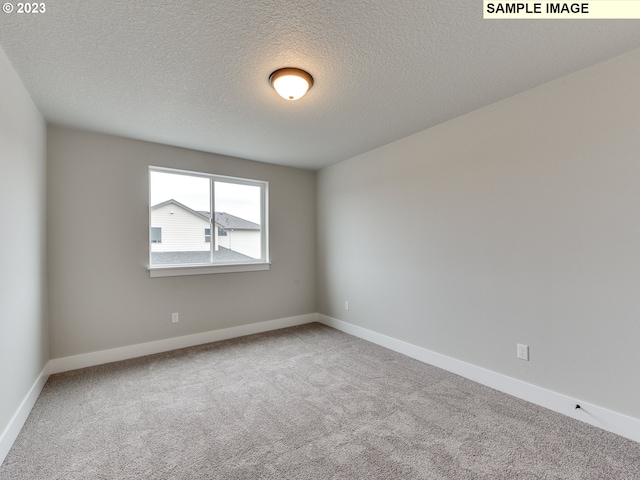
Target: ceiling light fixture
x=291, y=83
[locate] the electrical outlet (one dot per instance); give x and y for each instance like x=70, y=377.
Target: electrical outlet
x=175, y=318
x=523, y=352
x=346, y=304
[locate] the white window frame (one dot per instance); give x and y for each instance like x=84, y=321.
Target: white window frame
x=220, y=267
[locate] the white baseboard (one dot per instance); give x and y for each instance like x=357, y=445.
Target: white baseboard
x=74, y=362
x=12, y=430
x=609, y=420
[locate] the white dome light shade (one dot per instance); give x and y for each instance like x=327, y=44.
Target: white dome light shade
x=291, y=83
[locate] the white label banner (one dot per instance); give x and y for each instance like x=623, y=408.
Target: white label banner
x=586, y=10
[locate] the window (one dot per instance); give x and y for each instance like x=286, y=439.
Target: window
x=156, y=235
x=232, y=212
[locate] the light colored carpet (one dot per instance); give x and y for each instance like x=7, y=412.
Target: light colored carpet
x=301, y=403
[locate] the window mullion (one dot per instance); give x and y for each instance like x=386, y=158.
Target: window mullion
x=212, y=219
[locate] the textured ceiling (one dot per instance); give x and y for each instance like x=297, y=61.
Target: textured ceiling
x=195, y=73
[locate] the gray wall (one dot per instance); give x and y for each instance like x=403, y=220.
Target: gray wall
x=517, y=223
x=100, y=293
x=24, y=344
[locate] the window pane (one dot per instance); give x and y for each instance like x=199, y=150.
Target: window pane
x=239, y=216
x=180, y=206
x=156, y=235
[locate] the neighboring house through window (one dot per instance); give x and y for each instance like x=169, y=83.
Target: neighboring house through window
x=180, y=209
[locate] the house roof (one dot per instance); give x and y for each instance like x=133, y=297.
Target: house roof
x=180, y=258
x=203, y=215
x=231, y=222
x=223, y=220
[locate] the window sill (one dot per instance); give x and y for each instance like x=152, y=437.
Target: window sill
x=182, y=270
